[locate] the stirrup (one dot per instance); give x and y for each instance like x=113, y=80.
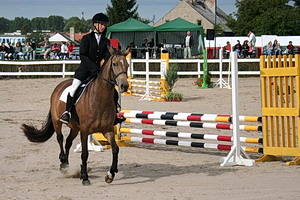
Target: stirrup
x=65, y=117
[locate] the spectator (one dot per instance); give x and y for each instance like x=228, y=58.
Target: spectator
x=269, y=49
x=238, y=48
x=3, y=50
x=133, y=50
x=47, y=48
x=28, y=51
x=33, y=46
x=55, y=51
x=276, y=48
x=63, y=50
x=145, y=45
x=71, y=47
x=252, y=39
x=227, y=49
x=188, y=43
x=290, y=47
x=10, y=52
x=245, y=49
x=18, y=55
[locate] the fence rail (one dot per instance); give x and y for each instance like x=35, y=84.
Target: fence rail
x=63, y=63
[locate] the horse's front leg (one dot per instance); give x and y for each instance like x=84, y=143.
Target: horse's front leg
x=84, y=156
x=110, y=136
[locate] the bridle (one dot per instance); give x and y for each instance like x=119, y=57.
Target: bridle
x=111, y=67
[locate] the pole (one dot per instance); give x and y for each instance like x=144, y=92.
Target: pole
x=234, y=157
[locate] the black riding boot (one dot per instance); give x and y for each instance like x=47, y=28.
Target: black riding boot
x=118, y=120
x=66, y=116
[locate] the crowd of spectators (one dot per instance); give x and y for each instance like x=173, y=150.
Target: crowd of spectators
x=28, y=51
x=17, y=51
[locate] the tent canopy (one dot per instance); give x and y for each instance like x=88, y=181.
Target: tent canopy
x=179, y=24
x=58, y=38
x=130, y=25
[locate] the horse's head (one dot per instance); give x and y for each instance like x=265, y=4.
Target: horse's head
x=119, y=66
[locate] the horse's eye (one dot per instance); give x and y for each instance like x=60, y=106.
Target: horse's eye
x=114, y=64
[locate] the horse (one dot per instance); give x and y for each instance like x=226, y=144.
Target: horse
x=94, y=112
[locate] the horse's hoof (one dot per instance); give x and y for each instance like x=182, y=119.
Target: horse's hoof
x=108, y=179
x=64, y=165
x=86, y=183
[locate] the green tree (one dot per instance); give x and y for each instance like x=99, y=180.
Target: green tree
x=265, y=17
x=56, y=23
x=80, y=26
x=26, y=29
x=18, y=23
x=39, y=23
x=4, y=25
x=121, y=10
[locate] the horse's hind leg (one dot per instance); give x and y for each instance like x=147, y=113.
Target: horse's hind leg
x=65, y=159
x=110, y=136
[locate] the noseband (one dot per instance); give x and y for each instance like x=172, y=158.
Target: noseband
x=112, y=82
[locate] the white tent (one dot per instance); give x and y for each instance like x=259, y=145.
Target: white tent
x=58, y=38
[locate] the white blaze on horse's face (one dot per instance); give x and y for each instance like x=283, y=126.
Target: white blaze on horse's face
x=121, y=74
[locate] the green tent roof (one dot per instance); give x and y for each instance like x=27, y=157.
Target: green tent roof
x=179, y=24
x=130, y=25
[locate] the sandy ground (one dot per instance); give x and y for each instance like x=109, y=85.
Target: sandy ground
x=146, y=171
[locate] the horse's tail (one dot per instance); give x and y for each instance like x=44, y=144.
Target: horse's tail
x=42, y=135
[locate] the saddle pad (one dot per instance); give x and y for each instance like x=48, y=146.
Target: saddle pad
x=80, y=90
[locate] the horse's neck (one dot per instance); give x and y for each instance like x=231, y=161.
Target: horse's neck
x=101, y=88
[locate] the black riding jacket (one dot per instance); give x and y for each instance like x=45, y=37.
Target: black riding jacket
x=91, y=55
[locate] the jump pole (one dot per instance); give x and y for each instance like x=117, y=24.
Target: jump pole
x=234, y=157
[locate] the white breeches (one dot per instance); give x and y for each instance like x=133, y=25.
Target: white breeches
x=74, y=86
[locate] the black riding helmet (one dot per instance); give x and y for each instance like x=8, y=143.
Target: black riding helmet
x=100, y=18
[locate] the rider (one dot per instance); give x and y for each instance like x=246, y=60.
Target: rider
x=93, y=48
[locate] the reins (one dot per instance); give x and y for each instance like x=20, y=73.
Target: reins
x=112, y=82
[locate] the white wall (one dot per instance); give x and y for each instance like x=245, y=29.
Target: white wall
x=260, y=40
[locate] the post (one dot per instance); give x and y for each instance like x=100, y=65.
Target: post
x=221, y=82
x=164, y=66
x=147, y=96
x=204, y=79
x=64, y=69
x=234, y=157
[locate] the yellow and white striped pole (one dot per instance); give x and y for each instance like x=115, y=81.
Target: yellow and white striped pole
x=164, y=66
x=129, y=76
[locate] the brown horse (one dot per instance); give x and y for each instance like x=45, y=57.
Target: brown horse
x=94, y=112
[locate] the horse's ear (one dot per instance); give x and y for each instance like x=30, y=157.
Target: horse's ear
x=111, y=50
x=126, y=52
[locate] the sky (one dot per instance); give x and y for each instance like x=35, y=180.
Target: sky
x=73, y=8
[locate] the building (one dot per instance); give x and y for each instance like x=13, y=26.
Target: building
x=200, y=12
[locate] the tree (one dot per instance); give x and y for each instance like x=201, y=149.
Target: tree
x=26, y=29
x=18, y=23
x=56, y=23
x=39, y=23
x=80, y=26
x=280, y=17
x=121, y=10
x=4, y=24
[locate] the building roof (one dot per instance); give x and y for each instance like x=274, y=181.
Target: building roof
x=221, y=18
x=205, y=11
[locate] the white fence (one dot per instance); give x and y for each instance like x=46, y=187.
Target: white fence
x=63, y=63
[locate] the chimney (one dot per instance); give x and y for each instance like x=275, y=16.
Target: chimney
x=211, y=4
x=72, y=33
x=191, y=1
